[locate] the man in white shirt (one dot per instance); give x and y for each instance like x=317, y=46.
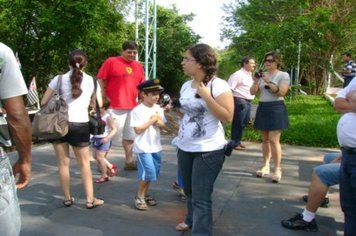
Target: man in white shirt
x=345, y=102
x=240, y=83
x=12, y=89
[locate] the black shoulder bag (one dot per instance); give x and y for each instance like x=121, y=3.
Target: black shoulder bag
x=96, y=125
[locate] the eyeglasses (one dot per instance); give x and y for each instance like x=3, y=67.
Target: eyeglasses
x=269, y=60
x=186, y=59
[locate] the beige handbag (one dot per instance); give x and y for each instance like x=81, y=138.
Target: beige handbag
x=51, y=121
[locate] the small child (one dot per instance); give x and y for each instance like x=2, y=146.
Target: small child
x=101, y=144
x=146, y=119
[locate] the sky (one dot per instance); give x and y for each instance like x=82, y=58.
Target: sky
x=207, y=20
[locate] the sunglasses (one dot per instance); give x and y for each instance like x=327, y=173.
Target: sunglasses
x=269, y=60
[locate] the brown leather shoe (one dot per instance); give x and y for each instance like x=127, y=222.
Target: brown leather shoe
x=240, y=147
x=130, y=166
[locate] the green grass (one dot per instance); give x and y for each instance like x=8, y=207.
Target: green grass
x=312, y=120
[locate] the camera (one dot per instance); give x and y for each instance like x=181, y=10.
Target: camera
x=165, y=100
x=259, y=74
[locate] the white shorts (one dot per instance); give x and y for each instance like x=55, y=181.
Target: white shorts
x=124, y=131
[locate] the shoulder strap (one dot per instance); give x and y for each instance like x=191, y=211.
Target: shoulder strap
x=211, y=87
x=59, y=85
x=94, y=101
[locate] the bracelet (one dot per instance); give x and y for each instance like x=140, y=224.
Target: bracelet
x=270, y=82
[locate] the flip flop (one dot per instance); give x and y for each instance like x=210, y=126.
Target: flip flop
x=112, y=171
x=102, y=180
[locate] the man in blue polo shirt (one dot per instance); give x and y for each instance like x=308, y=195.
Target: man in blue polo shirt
x=349, y=71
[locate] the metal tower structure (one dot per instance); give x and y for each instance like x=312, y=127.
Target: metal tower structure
x=147, y=42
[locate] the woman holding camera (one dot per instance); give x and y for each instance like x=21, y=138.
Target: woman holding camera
x=206, y=101
x=271, y=115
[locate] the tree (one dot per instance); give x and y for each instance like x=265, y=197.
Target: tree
x=43, y=32
x=173, y=37
x=323, y=27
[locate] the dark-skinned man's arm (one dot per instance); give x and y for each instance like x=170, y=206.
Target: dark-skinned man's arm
x=20, y=128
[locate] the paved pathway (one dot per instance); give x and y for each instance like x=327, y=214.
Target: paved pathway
x=243, y=204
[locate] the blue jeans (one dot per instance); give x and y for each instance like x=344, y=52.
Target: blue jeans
x=199, y=171
x=241, y=118
x=329, y=173
x=10, y=216
x=348, y=191
x=180, y=179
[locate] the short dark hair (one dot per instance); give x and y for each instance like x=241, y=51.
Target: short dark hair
x=347, y=54
x=130, y=44
x=246, y=60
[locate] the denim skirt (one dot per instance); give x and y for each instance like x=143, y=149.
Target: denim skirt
x=271, y=116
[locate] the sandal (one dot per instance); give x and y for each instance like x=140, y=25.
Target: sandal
x=112, y=171
x=96, y=202
x=175, y=185
x=68, y=202
x=140, y=204
x=179, y=190
x=150, y=201
x=183, y=227
x=102, y=180
x=277, y=176
x=263, y=171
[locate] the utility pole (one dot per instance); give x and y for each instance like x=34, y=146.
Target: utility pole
x=148, y=40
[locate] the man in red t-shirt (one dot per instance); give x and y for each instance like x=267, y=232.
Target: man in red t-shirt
x=118, y=78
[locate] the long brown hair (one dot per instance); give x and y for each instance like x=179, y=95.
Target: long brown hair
x=77, y=60
x=206, y=57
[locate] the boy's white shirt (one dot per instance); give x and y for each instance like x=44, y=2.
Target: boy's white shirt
x=148, y=141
